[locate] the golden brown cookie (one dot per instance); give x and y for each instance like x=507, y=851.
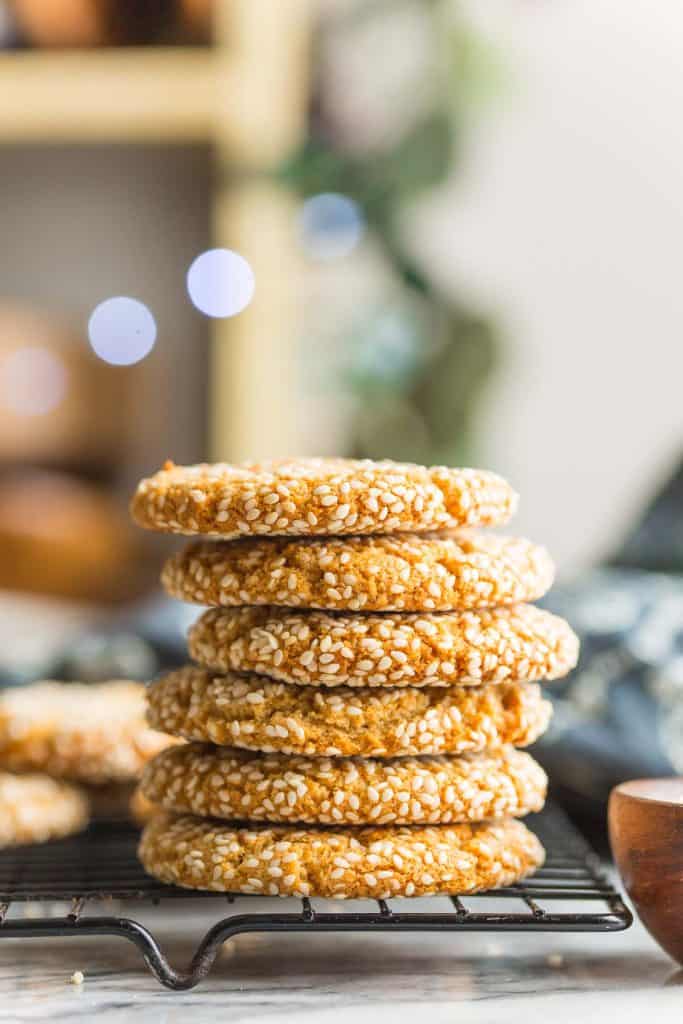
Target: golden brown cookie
x=317, y=648
x=47, y=554
x=258, y=714
x=93, y=733
x=307, y=496
x=223, y=782
x=341, y=863
x=409, y=572
x=35, y=808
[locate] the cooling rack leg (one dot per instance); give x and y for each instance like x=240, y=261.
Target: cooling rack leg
x=206, y=952
x=158, y=963
x=119, y=927
x=152, y=953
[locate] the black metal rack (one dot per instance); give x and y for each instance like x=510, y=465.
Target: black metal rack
x=101, y=865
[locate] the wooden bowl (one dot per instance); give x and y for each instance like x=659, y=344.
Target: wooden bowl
x=645, y=820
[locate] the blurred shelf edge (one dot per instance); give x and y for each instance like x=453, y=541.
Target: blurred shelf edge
x=179, y=95
x=110, y=95
x=246, y=96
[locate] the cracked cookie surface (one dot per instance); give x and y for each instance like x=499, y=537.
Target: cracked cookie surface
x=316, y=648
x=403, y=572
x=220, y=782
x=307, y=496
x=341, y=863
x=257, y=714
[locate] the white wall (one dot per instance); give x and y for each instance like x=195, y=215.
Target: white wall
x=567, y=221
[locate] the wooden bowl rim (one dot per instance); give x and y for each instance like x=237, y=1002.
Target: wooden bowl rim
x=623, y=790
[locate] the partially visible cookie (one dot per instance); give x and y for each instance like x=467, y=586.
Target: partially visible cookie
x=226, y=783
x=520, y=642
x=341, y=863
x=409, y=572
x=258, y=714
x=35, y=808
x=94, y=733
x=308, y=496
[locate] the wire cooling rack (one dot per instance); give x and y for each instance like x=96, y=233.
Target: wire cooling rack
x=87, y=872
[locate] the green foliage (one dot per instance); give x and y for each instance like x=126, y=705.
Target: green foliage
x=417, y=366
x=381, y=182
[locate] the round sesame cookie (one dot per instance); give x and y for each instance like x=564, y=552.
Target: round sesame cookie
x=94, y=733
x=340, y=862
x=221, y=782
x=404, y=572
x=35, y=808
x=258, y=714
x=308, y=496
x=316, y=648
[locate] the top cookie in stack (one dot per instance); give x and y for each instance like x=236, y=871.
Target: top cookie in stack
x=360, y=615
x=305, y=497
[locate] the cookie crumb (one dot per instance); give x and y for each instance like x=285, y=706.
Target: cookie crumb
x=554, y=959
x=77, y=978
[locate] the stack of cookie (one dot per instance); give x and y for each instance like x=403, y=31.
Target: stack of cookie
x=366, y=671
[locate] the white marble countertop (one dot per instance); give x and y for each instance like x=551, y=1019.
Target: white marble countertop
x=327, y=978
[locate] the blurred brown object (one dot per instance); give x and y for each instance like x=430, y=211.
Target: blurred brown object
x=59, y=535
x=111, y=801
x=195, y=20
x=58, y=402
x=92, y=733
x=140, y=809
x=50, y=24
x=139, y=22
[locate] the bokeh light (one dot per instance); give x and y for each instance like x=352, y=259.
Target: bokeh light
x=122, y=331
x=330, y=226
x=33, y=381
x=220, y=283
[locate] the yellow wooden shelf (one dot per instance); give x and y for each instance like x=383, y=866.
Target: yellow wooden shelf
x=248, y=97
x=109, y=95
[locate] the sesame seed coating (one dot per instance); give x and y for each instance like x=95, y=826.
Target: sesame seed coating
x=257, y=714
x=316, y=648
x=35, y=808
x=221, y=782
x=340, y=863
x=93, y=732
x=433, y=572
x=301, y=497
